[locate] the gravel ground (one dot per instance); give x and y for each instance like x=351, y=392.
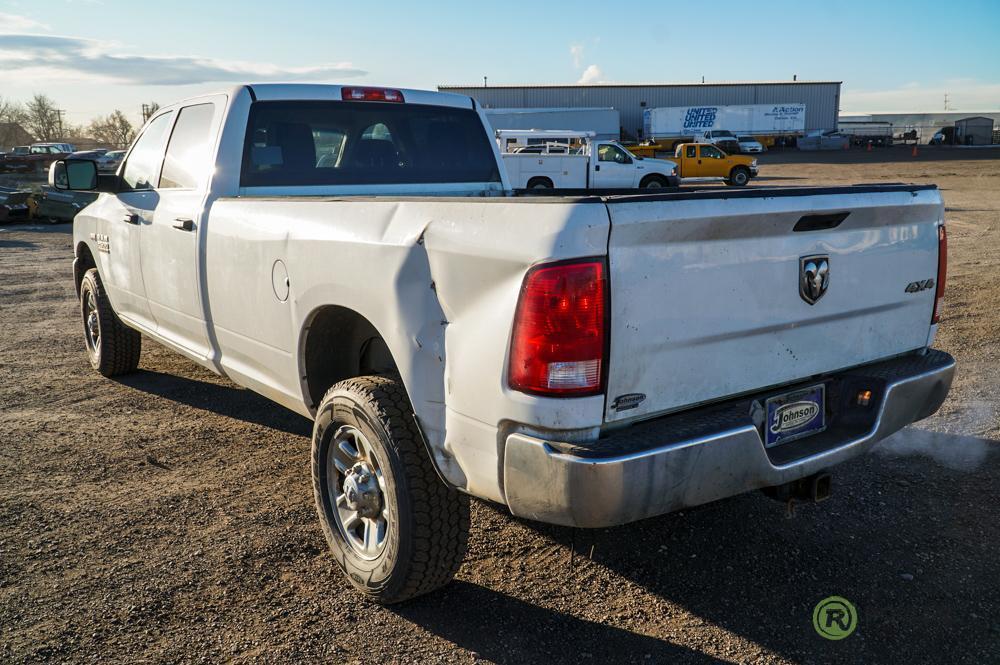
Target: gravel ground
x=168, y=516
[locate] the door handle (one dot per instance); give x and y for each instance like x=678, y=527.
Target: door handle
x=184, y=224
x=131, y=218
x=597, y=167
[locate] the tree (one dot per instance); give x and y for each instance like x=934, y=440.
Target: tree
x=149, y=109
x=115, y=130
x=11, y=111
x=43, y=119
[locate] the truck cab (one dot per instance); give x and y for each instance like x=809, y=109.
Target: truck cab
x=702, y=160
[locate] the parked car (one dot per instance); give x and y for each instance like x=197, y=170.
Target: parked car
x=37, y=157
x=89, y=154
x=14, y=162
x=111, y=161
x=749, y=145
x=583, y=360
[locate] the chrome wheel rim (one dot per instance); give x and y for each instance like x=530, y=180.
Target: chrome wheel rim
x=91, y=323
x=356, y=486
x=654, y=184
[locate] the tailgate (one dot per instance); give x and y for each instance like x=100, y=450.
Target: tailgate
x=705, y=289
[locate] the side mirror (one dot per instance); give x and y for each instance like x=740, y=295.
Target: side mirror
x=73, y=174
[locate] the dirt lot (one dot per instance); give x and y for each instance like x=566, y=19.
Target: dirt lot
x=168, y=516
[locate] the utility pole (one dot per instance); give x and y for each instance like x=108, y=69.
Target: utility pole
x=946, y=101
x=59, y=121
x=484, y=81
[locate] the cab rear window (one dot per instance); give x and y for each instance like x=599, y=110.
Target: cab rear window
x=364, y=143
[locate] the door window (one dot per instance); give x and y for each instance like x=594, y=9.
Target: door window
x=691, y=151
x=611, y=153
x=711, y=152
x=187, y=163
x=146, y=155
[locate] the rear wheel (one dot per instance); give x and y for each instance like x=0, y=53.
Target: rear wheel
x=539, y=183
x=112, y=347
x=738, y=177
x=394, y=527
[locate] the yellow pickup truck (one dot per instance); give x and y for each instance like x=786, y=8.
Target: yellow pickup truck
x=703, y=160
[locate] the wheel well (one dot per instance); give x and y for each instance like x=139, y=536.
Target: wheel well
x=652, y=176
x=540, y=179
x=340, y=344
x=83, y=262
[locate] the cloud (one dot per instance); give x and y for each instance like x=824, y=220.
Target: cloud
x=963, y=95
x=576, y=50
x=592, y=74
x=18, y=23
x=31, y=57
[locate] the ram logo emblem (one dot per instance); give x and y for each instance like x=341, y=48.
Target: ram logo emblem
x=814, y=277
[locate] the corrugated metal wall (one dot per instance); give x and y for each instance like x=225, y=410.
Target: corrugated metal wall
x=822, y=99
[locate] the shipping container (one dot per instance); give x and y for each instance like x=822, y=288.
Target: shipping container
x=687, y=122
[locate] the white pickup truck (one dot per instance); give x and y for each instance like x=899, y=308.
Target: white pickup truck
x=587, y=164
x=355, y=255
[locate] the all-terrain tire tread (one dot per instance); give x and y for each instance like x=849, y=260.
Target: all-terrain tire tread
x=120, y=345
x=440, y=513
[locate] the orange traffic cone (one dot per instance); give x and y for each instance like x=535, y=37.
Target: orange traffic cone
x=914, y=149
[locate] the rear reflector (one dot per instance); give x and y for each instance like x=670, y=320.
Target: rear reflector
x=559, y=338
x=370, y=95
x=942, y=273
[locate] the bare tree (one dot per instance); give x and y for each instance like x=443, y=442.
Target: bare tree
x=43, y=119
x=115, y=130
x=11, y=111
x=149, y=109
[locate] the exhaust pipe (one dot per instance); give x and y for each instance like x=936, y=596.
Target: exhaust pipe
x=815, y=488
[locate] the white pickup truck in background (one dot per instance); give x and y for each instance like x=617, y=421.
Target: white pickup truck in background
x=357, y=255
x=563, y=159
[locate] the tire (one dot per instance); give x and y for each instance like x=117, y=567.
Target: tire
x=395, y=529
x=539, y=183
x=738, y=177
x=112, y=347
x=654, y=182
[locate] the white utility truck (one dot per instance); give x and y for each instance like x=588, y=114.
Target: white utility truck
x=564, y=159
x=356, y=254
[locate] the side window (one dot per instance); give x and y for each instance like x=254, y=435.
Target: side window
x=186, y=164
x=147, y=154
x=690, y=151
x=609, y=153
x=711, y=152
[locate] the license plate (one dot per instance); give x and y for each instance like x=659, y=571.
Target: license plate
x=794, y=415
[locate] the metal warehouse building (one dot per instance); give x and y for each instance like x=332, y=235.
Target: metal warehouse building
x=822, y=98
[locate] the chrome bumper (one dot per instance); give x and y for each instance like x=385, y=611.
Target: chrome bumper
x=711, y=453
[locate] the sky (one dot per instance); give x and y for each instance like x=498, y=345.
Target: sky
x=93, y=56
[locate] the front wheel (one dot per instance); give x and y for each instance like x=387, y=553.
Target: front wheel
x=394, y=527
x=112, y=347
x=653, y=182
x=739, y=177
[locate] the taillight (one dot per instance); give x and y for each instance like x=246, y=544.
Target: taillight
x=370, y=95
x=942, y=273
x=560, y=333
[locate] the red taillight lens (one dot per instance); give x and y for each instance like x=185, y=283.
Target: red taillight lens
x=559, y=330
x=370, y=95
x=942, y=273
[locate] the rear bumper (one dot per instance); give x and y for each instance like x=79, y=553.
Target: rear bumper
x=713, y=452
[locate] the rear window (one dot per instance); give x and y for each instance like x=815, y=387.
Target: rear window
x=364, y=143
